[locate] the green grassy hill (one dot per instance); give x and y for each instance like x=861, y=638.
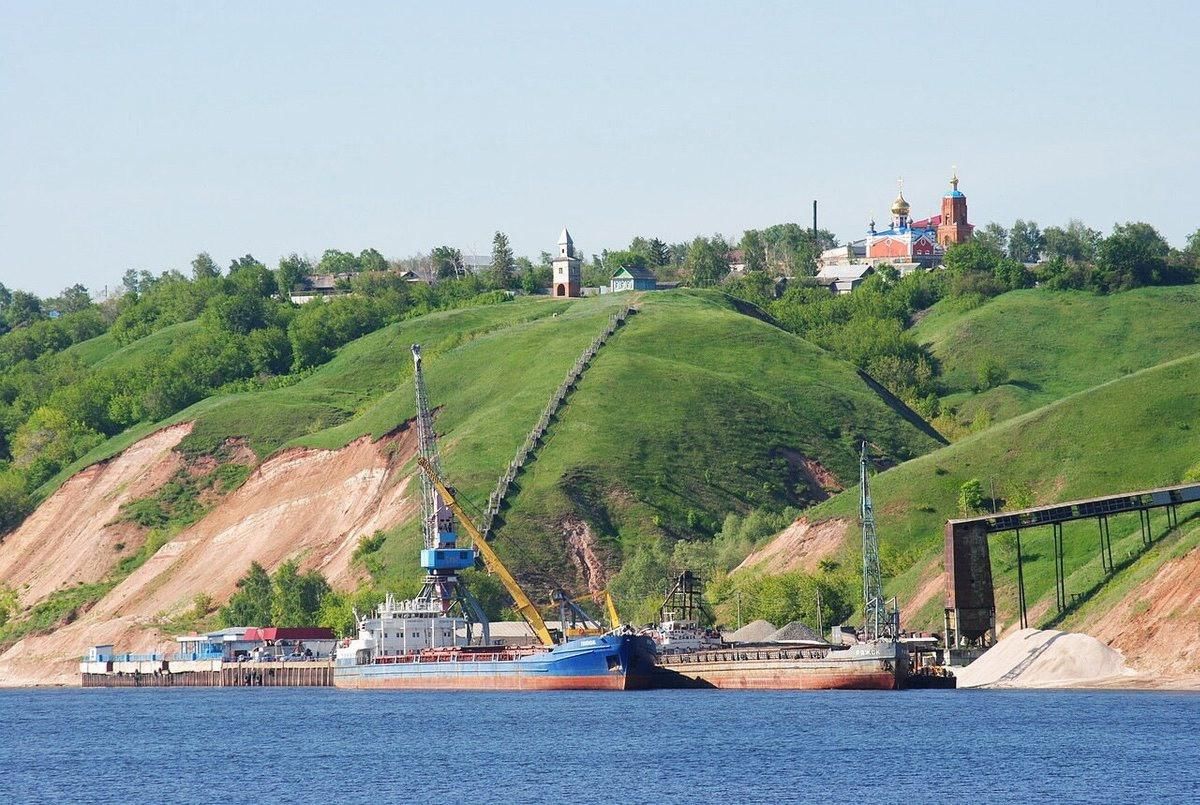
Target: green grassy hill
x=1052, y=344
x=694, y=409
x=1136, y=432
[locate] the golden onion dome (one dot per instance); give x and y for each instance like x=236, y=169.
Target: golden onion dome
x=900, y=206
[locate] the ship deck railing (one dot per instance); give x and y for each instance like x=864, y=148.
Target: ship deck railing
x=464, y=656
x=742, y=655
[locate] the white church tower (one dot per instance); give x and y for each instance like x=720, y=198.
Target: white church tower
x=567, y=275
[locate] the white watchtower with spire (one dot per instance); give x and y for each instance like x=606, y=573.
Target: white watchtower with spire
x=567, y=273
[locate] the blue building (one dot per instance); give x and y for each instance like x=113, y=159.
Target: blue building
x=632, y=278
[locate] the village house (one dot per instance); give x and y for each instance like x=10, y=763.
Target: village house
x=632, y=278
x=322, y=286
x=840, y=279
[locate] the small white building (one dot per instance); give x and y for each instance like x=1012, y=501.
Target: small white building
x=844, y=278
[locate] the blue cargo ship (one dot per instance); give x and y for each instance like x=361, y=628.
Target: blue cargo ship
x=401, y=646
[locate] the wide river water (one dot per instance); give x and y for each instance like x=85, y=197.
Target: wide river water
x=323, y=745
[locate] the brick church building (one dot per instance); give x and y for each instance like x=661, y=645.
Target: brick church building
x=908, y=243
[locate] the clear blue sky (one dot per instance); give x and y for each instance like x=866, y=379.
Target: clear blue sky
x=135, y=135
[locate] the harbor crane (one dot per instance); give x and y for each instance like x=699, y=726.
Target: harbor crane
x=880, y=623
x=441, y=557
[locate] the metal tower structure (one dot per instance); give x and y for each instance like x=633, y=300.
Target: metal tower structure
x=878, y=619
x=441, y=557
x=683, y=601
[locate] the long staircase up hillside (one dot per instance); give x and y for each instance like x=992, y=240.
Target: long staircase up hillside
x=557, y=400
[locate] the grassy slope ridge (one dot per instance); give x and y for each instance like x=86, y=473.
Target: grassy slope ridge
x=1057, y=343
x=692, y=407
x=1136, y=432
x=686, y=409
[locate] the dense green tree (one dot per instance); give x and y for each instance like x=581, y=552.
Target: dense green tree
x=14, y=503
x=640, y=584
x=793, y=596
x=659, y=252
x=791, y=250
x=269, y=351
x=251, y=605
x=296, y=598
x=503, y=266
x=249, y=276
x=970, y=497
x=371, y=260
x=624, y=258
x=1059, y=274
x=23, y=309
x=239, y=313
x=291, y=270
x=204, y=267
x=1025, y=241
x=753, y=250
x=1134, y=255
x=1192, y=250
x=72, y=299
x=334, y=261
x=707, y=261
x=447, y=262
x=992, y=237
x=532, y=278
x=1075, y=242
x=48, y=441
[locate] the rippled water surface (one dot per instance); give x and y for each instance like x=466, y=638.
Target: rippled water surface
x=323, y=745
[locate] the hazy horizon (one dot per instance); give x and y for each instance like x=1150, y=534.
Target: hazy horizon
x=137, y=135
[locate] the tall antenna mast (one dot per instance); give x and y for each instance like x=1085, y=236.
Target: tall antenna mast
x=878, y=622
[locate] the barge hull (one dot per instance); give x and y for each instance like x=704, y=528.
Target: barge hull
x=864, y=667
x=498, y=681
x=609, y=662
x=769, y=676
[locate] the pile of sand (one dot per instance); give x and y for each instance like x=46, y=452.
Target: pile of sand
x=794, y=632
x=1044, y=658
x=752, y=632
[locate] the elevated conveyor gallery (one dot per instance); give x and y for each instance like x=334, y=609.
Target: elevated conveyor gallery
x=970, y=616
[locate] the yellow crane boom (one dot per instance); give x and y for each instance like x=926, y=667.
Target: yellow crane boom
x=614, y=620
x=520, y=600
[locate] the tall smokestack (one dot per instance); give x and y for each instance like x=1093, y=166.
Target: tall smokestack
x=814, y=221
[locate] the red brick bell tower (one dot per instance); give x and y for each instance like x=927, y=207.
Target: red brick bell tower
x=954, y=227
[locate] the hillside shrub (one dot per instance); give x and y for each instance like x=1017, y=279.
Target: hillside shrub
x=970, y=496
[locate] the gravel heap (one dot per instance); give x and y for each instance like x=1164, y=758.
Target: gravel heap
x=794, y=631
x=752, y=632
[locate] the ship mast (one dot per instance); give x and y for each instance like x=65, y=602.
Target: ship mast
x=878, y=621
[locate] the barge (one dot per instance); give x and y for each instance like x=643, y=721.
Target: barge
x=614, y=661
x=881, y=665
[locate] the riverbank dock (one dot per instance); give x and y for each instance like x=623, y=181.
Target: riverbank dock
x=151, y=671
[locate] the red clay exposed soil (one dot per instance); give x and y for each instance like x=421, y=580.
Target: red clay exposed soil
x=581, y=545
x=820, y=481
x=1157, y=626
x=800, y=546
x=72, y=537
x=309, y=505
